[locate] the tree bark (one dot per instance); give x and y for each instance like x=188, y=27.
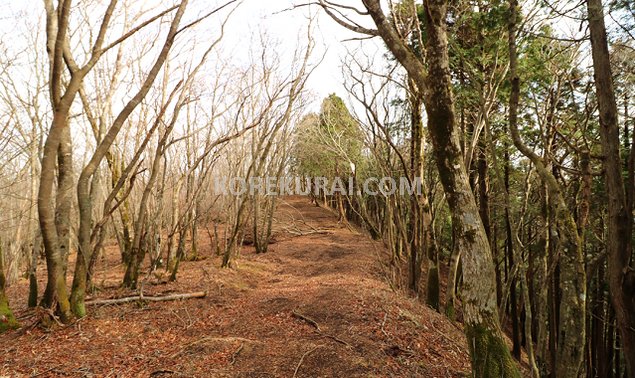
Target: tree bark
x=7, y=320
x=571, y=335
x=172, y=297
x=416, y=170
x=621, y=271
x=489, y=353
x=83, y=186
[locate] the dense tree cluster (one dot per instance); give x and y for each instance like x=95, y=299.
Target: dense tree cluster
x=530, y=205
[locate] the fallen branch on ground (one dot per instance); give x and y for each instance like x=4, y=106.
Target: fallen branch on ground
x=298, y=232
x=312, y=322
x=172, y=297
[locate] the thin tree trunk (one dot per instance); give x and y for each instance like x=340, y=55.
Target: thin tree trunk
x=36, y=241
x=509, y=249
x=571, y=335
x=83, y=185
x=416, y=168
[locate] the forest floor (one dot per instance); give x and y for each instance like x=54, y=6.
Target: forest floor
x=318, y=304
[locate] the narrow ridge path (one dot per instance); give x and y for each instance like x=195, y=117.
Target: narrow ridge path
x=315, y=305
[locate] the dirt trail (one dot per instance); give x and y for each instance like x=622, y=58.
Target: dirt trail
x=315, y=305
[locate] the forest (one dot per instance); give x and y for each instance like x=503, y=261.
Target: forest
x=127, y=126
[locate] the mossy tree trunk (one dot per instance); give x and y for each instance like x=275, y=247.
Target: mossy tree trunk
x=489, y=353
x=7, y=320
x=571, y=322
x=621, y=264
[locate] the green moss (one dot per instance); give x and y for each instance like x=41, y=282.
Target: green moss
x=490, y=356
x=7, y=320
x=78, y=308
x=449, y=311
x=432, y=291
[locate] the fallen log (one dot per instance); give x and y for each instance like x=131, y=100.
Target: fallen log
x=173, y=297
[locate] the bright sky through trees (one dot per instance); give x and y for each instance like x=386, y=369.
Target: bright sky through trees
x=251, y=19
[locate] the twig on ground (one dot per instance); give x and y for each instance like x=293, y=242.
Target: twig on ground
x=307, y=233
x=295, y=373
x=312, y=322
x=383, y=323
x=161, y=371
x=335, y=338
x=236, y=353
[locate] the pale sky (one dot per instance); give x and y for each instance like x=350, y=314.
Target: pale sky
x=286, y=26
x=250, y=19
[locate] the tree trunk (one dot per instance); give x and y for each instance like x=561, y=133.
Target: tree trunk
x=416, y=170
x=56, y=284
x=621, y=272
x=433, y=284
x=509, y=249
x=541, y=288
x=571, y=335
x=450, y=301
x=489, y=353
x=83, y=186
x=34, y=253
x=137, y=253
x=7, y=320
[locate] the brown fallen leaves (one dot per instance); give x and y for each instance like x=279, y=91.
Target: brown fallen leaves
x=254, y=320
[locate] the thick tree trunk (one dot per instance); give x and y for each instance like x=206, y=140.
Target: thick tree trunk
x=489, y=353
x=55, y=291
x=490, y=356
x=55, y=215
x=64, y=197
x=621, y=271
